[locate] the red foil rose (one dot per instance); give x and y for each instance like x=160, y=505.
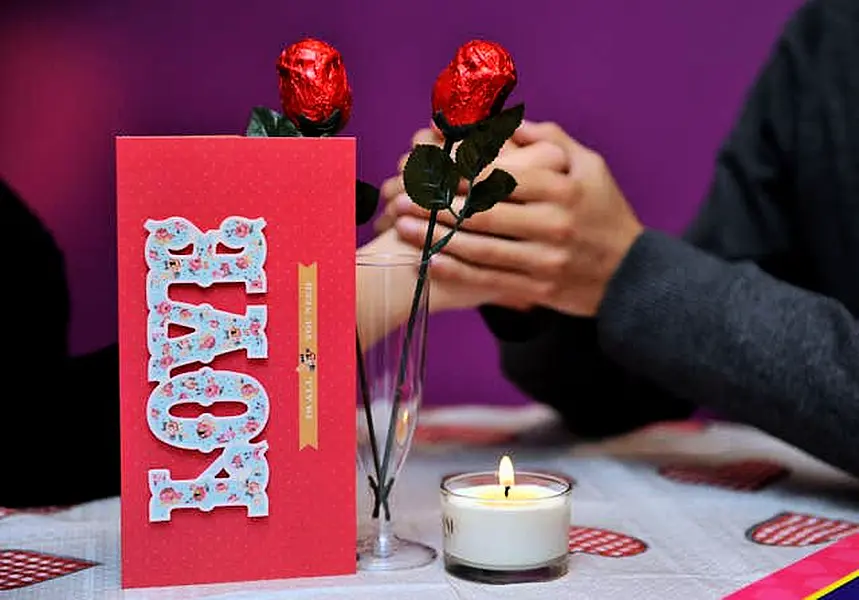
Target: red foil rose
x=474, y=85
x=314, y=87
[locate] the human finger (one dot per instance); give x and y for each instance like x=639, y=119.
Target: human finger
x=533, y=258
x=541, y=155
x=539, y=221
x=513, y=290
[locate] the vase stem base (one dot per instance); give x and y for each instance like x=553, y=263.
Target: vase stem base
x=396, y=554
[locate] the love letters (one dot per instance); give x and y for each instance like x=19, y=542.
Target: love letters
x=213, y=333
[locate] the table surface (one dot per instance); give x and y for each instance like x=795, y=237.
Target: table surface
x=694, y=538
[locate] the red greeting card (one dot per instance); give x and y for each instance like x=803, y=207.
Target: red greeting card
x=829, y=574
x=236, y=328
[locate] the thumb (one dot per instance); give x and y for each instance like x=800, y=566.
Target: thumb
x=528, y=132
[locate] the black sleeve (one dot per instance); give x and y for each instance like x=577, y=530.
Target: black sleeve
x=555, y=359
x=60, y=414
x=561, y=360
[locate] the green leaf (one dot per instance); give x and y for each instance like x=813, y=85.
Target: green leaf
x=430, y=177
x=286, y=128
x=487, y=193
x=485, y=141
x=505, y=123
x=265, y=122
x=366, y=201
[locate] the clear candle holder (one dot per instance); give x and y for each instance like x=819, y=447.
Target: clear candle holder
x=515, y=535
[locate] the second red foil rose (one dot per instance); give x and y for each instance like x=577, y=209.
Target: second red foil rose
x=475, y=84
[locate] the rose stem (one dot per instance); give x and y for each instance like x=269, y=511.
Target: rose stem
x=371, y=429
x=437, y=247
x=404, y=356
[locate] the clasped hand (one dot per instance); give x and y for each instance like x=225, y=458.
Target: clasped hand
x=556, y=242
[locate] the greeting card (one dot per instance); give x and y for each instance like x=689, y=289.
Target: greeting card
x=236, y=327
x=829, y=574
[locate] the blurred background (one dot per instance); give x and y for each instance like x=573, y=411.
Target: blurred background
x=654, y=85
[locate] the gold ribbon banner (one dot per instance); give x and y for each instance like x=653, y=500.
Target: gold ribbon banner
x=308, y=415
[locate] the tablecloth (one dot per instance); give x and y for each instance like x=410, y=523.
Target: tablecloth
x=700, y=510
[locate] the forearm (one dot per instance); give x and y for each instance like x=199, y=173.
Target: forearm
x=555, y=360
x=383, y=301
x=385, y=294
x=735, y=339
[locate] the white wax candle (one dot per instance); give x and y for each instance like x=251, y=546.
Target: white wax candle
x=524, y=529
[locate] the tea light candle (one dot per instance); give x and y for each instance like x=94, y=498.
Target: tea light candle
x=506, y=527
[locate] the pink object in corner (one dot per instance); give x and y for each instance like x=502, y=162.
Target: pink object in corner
x=831, y=573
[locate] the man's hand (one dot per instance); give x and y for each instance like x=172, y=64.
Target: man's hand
x=444, y=295
x=394, y=188
x=559, y=240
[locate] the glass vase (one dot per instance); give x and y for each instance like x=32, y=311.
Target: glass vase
x=392, y=311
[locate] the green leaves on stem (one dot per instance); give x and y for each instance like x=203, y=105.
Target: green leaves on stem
x=489, y=192
x=265, y=122
x=431, y=177
x=481, y=197
x=485, y=141
x=366, y=201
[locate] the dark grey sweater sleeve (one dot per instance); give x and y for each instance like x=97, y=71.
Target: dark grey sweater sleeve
x=725, y=318
x=719, y=319
x=740, y=341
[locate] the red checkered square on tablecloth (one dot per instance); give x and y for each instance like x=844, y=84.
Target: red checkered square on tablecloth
x=742, y=475
x=603, y=542
x=20, y=568
x=41, y=510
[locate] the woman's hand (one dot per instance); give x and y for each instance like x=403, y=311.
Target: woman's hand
x=444, y=295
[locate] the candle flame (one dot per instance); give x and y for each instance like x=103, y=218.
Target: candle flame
x=505, y=472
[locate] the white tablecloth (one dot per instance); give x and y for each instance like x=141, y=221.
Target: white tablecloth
x=696, y=534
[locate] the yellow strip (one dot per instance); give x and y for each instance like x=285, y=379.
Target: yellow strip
x=833, y=586
x=308, y=417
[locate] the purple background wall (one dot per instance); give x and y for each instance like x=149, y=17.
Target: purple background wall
x=654, y=85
